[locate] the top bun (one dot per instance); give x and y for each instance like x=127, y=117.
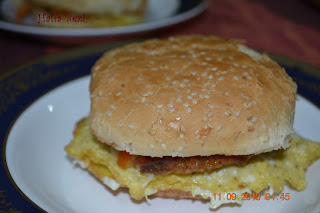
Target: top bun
x=191, y=96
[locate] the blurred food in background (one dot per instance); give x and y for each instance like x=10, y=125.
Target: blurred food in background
x=81, y=13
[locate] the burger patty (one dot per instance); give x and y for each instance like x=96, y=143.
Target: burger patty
x=186, y=165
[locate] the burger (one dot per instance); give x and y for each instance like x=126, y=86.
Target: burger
x=81, y=13
x=192, y=117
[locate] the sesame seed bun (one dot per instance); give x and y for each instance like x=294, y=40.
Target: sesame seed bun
x=189, y=96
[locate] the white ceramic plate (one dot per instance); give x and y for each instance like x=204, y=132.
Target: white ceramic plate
x=40, y=167
x=159, y=14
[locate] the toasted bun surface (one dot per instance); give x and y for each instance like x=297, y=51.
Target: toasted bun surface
x=191, y=95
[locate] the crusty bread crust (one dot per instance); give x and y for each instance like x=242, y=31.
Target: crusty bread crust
x=191, y=95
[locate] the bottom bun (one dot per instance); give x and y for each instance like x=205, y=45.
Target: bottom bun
x=177, y=194
x=274, y=169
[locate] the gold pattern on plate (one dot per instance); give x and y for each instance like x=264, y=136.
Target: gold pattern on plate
x=5, y=206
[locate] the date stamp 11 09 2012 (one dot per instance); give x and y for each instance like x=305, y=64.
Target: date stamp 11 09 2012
x=53, y=17
x=251, y=196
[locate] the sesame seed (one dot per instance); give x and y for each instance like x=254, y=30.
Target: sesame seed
x=185, y=80
x=170, y=105
x=208, y=59
x=143, y=99
x=159, y=106
x=178, y=117
x=118, y=93
x=203, y=90
x=210, y=114
x=238, y=113
x=201, y=95
x=160, y=121
x=204, y=74
x=244, y=66
x=197, y=132
x=211, y=106
x=186, y=104
x=198, y=137
x=204, y=138
x=209, y=125
x=151, y=146
x=235, y=77
x=219, y=128
x=172, y=109
x=245, y=73
x=254, y=119
x=189, y=97
x=179, y=99
x=189, y=109
x=223, y=72
x=194, y=101
x=131, y=126
x=193, y=73
x=188, y=90
x=254, y=102
x=163, y=146
x=152, y=132
x=108, y=113
x=249, y=77
x=140, y=78
x=214, y=68
x=213, y=85
x=249, y=105
x=241, y=95
x=221, y=78
x=182, y=85
x=174, y=82
x=182, y=129
x=250, y=124
x=121, y=124
x=113, y=106
x=227, y=93
x=194, y=93
x=181, y=136
x=210, y=77
x=206, y=96
x=245, y=104
x=204, y=119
